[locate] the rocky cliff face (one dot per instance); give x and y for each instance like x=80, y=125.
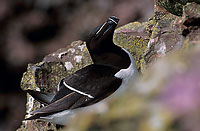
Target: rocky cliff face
x=164, y=98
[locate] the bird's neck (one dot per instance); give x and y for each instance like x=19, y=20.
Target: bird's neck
x=112, y=55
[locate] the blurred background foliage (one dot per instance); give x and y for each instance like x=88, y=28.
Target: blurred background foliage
x=31, y=29
x=165, y=98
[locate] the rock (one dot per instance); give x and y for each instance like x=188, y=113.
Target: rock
x=134, y=37
x=44, y=76
x=165, y=98
x=175, y=6
x=140, y=108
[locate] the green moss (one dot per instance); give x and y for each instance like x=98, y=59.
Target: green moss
x=172, y=6
x=134, y=37
x=192, y=10
x=175, y=6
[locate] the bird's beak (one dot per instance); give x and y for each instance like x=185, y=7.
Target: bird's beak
x=108, y=27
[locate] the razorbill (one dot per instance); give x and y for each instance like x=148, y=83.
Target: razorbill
x=113, y=69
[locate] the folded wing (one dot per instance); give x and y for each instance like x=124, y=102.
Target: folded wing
x=83, y=88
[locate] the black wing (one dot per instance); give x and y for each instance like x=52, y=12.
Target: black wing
x=85, y=87
x=44, y=98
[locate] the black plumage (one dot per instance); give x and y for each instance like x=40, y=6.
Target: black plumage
x=93, y=79
x=93, y=83
x=103, y=50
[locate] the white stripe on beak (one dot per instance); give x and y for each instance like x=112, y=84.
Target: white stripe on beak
x=113, y=20
x=100, y=28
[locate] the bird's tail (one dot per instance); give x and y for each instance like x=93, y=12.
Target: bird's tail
x=32, y=117
x=42, y=97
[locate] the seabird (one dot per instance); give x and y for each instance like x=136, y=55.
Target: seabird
x=113, y=69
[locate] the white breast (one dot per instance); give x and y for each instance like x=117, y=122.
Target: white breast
x=127, y=75
x=61, y=118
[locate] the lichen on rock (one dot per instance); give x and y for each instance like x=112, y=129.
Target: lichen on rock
x=165, y=33
x=45, y=76
x=133, y=37
x=155, y=101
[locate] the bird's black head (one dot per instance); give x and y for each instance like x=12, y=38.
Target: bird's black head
x=101, y=47
x=102, y=34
